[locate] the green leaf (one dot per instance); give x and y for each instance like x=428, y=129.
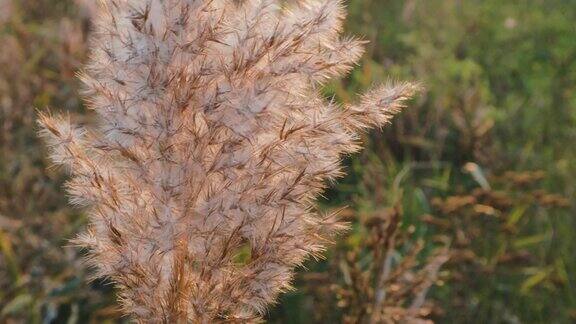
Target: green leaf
x=533, y=281
x=529, y=240
x=516, y=215
x=19, y=304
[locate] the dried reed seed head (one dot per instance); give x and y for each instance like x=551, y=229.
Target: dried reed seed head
x=213, y=142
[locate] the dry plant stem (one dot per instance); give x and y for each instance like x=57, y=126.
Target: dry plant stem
x=432, y=269
x=212, y=145
x=383, y=274
x=393, y=287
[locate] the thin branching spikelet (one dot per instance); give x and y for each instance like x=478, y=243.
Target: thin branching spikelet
x=212, y=145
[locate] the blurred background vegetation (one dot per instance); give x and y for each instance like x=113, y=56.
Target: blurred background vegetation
x=462, y=210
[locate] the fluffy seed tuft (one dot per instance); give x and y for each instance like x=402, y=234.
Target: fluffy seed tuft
x=212, y=145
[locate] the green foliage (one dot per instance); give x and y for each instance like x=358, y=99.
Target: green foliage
x=501, y=89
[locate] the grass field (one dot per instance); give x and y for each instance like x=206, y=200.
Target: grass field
x=479, y=168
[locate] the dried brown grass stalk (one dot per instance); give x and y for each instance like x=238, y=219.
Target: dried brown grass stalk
x=213, y=144
x=391, y=287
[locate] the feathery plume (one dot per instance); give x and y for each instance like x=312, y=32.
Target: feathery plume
x=213, y=143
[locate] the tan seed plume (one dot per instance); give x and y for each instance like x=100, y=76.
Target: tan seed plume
x=212, y=144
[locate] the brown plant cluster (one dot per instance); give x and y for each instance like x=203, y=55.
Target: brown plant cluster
x=212, y=144
x=386, y=278
x=484, y=217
